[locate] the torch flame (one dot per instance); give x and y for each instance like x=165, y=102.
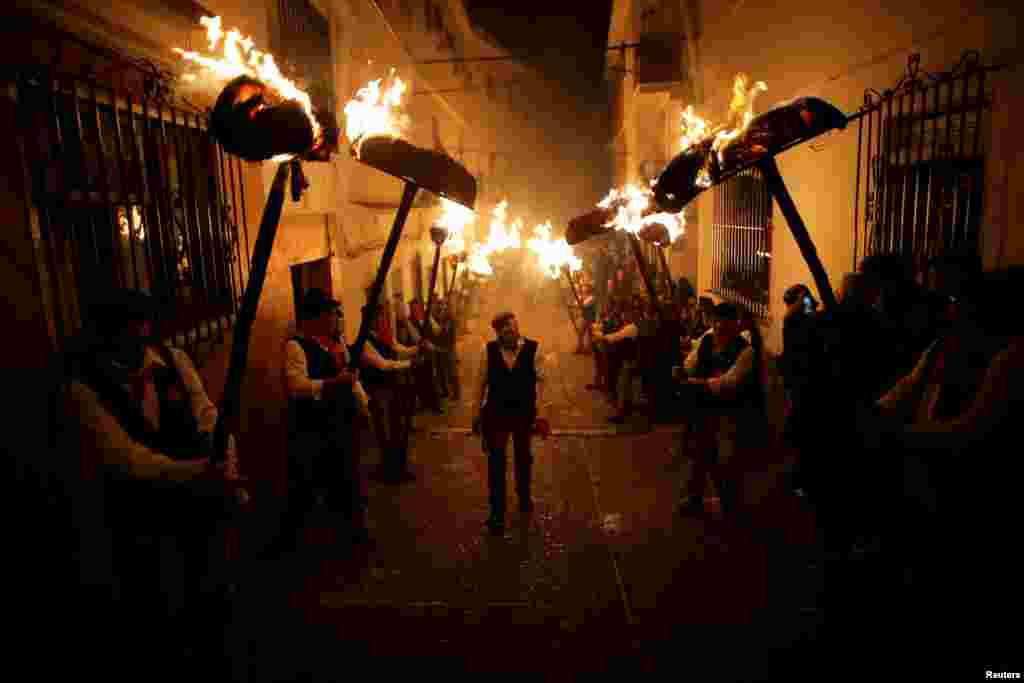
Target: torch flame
x=375, y=111
x=741, y=112
x=240, y=59
x=478, y=263
x=455, y=218
x=675, y=222
x=694, y=128
x=552, y=254
x=633, y=204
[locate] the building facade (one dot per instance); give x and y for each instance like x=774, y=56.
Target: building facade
x=945, y=149
x=113, y=179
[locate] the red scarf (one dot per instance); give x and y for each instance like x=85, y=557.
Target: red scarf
x=383, y=331
x=336, y=349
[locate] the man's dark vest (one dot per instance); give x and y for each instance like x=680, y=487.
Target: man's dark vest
x=512, y=391
x=372, y=377
x=711, y=364
x=307, y=415
x=178, y=436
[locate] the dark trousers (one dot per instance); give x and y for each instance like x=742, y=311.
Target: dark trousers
x=498, y=429
x=325, y=465
x=390, y=408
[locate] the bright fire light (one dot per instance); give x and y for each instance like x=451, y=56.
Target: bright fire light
x=375, y=111
x=239, y=58
x=552, y=254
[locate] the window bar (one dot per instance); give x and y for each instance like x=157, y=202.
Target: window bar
x=108, y=206
x=164, y=150
x=190, y=209
x=197, y=299
x=226, y=221
x=871, y=236
x=54, y=243
x=716, y=229
x=150, y=154
x=960, y=234
x=142, y=198
x=245, y=219
x=975, y=206
x=876, y=172
x=933, y=167
x=204, y=196
x=947, y=191
x=886, y=242
x=902, y=162
x=125, y=196
x=214, y=250
x=219, y=228
x=85, y=164
x=856, y=192
x=921, y=196
x=228, y=181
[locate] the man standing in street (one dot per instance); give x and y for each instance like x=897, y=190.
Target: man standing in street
x=511, y=384
x=325, y=398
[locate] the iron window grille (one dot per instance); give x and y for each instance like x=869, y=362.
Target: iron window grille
x=741, y=242
x=920, y=162
x=129, y=192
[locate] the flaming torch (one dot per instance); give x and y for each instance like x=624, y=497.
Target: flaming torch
x=704, y=164
x=555, y=257
x=628, y=210
x=373, y=130
x=259, y=115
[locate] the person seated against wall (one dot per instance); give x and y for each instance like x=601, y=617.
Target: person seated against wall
x=385, y=363
x=325, y=401
x=726, y=373
x=137, y=422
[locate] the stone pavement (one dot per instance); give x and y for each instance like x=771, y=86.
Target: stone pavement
x=604, y=577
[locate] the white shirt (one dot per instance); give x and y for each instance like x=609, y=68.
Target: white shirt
x=733, y=378
x=298, y=384
x=99, y=435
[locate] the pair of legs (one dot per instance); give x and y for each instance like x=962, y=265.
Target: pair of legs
x=327, y=465
x=390, y=408
x=624, y=392
x=499, y=429
x=710, y=459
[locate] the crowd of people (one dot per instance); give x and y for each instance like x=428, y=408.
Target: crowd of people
x=153, y=502
x=899, y=402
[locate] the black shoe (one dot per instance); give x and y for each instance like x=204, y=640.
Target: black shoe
x=694, y=505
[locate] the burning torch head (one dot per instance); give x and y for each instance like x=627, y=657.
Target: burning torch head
x=655, y=233
x=700, y=166
x=589, y=225
x=438, y=234
x=426, y=168
x=251, y=127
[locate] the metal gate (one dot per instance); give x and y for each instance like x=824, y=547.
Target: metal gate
x=129, y=192
x=741, y=242
x=920, y=164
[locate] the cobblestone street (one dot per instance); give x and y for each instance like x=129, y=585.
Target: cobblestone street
x=605, y=576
